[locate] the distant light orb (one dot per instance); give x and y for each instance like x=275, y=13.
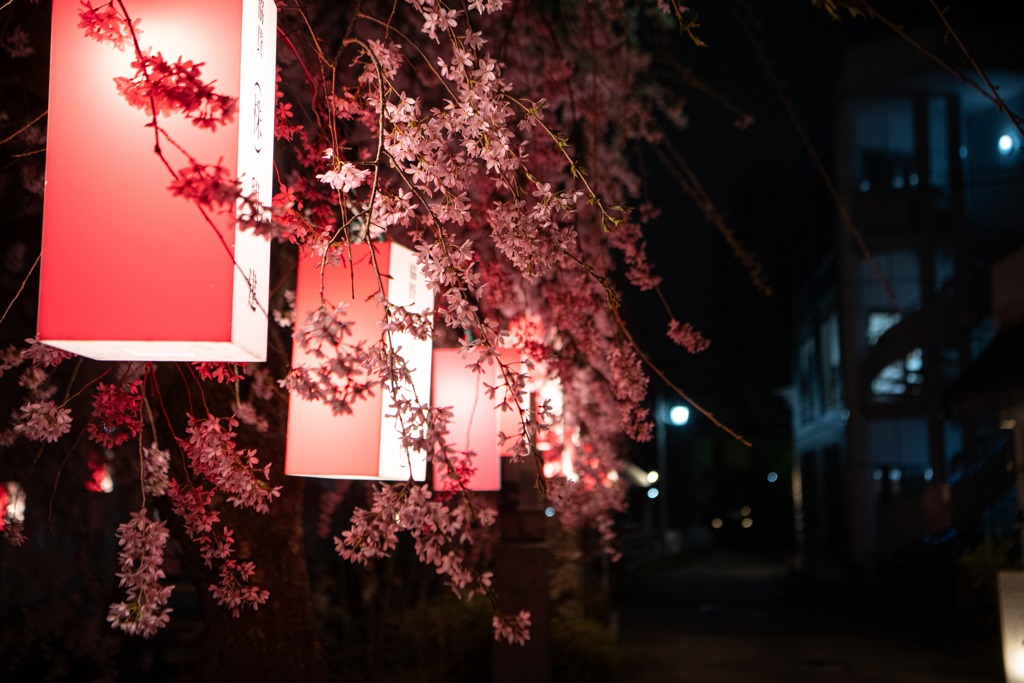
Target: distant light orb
x=716, y=523
x=653, y=492
x=895, y=474
x=746, y=522
x=773, y=477
x=864, y=186
x=745, y=511
x=549, y=511
x=653, y=476
x=678, y=415
x=929, y=474
x=1006, y=144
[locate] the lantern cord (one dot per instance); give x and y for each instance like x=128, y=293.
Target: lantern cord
x=21, y=289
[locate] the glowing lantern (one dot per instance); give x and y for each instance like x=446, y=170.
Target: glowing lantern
x=12, y=503
x=557, y=445
x=128, y=270
x=476, y=418
x=366, y=443
x=101, y=478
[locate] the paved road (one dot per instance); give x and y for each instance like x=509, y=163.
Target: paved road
x=728, y=619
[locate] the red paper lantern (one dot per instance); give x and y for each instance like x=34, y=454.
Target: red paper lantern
x=366, y=443
x=476, y=418
x=557, y=444
x=128, y=270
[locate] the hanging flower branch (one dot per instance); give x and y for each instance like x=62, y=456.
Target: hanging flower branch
x=413, y=131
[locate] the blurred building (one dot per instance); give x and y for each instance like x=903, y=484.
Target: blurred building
x=933, y=174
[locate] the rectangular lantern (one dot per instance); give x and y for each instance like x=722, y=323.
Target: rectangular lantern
x=366, y=443
x=557, y=445
x=129, y=271
x=476, y=421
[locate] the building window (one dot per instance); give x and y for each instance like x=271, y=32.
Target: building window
x=899, y=377
x=879, y=323
x=808, y=380
x=884, y=150
x=831, y=362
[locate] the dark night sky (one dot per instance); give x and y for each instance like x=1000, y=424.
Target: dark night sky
x=750, y=175
x=760, y=179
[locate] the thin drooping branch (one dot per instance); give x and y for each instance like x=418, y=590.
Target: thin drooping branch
x=24, y=127
x=688, y=181
x=21, y=289
x=989, y=90
x=845, y=216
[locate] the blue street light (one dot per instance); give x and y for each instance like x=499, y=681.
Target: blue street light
x=678, y=415
x=666, y=415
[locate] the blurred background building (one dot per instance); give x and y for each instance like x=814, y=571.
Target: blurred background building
x=898, y=448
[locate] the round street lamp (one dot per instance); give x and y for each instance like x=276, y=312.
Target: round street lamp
x=678, y=415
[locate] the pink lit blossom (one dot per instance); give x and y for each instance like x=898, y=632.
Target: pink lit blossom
x=141, y=558
x=115, y=414
x=43, y=421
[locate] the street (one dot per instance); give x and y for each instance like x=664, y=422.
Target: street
x=736, y=618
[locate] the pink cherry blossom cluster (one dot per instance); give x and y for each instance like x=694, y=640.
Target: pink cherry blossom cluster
x=217, y=547
x=43, y=355
x=336, y=371
x=212, y=453
x=439, y=532
x=161, y=87
x=513, y=629
x=43, y=421
x=234, y=591
x=345, y=178
x=144, y=611
x=208, y=185
x=155, y=470
x=106, y=25
x=686, y=336
x=158, y=86
x=115, y=413
x=222, y=373
x=628, y=239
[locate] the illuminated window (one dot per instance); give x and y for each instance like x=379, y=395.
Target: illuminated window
x=831, y=361
x=896, y=378
x=879, y=322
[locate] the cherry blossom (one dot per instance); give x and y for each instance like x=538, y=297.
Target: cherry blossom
x=44, y=421
x=427, y=134
x=141, y=558
x=212, y=453
x=115, y=414
x=106, y=25
x=687, y=337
